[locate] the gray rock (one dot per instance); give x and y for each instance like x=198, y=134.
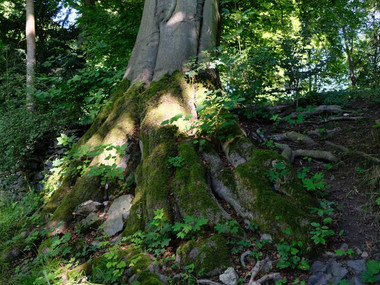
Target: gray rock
x=87, y=207
x=11, y=254
x=317, y=267
x=319, y=279
x=88, y=222
x=229, y=277
x=357, y=266
x=355, y=281
x=337, y=270
x=267, y=237
x=118, y=211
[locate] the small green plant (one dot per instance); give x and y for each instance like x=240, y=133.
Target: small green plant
x=315, y=183
x=341, y=252
x=377, y=125
x=373, y=269
x=290, y=256
x=64, y=140
x=231, y=227
x=176, y=162
x=189, y=227
x=277, y=173
x=320, y=232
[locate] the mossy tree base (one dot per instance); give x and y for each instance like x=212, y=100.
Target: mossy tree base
x=135, y=115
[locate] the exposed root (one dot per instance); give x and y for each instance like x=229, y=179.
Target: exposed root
x=290, y=155
x=340, y=118
x=319, y=110
x=316, y=154
x=324, y=133
x=359, y=153
x=259, y=266
x=286, y=151
x=293, y=136
x=243, y=256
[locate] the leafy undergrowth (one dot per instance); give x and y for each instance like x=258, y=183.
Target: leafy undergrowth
x=348, y=191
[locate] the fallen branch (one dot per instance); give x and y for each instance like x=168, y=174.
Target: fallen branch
x=360, y=153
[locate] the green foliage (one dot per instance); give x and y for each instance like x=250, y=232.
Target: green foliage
x=189, y=227
x=341, y=252
x=370, y=275
x=290, y=256
x=159, y=233
x=231, y=227
x=315, y=183
x=176, y=162
x=278, y=172
x=320, y=232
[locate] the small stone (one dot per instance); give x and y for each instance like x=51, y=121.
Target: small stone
x=357, y=266
x=87, y=207
x=319, y=279
x=267, y=237
x=364, y=254
x=344, y=247
x=88, y=222
x=355, y=281
x=317, y=267
x=229, y=277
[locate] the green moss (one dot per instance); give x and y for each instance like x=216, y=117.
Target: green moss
x=148, y=278
x=192, y=194
x=86, y=188
x=210, y=256
x=274, y=211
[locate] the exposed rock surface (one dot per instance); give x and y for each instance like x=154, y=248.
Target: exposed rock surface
x=118, y=211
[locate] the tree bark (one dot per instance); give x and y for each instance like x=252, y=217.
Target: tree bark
x=171, y=33
x=30, y=33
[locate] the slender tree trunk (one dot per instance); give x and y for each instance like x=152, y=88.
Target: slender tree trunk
x=30, y=33
x=348, y=49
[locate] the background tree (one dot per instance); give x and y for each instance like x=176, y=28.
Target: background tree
x=30, y=32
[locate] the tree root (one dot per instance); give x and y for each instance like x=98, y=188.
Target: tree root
x=243, y=256
x=293, y=136
x=319, y=110
x=340, y=118
x=359, y=153
x=324, y=133
x=290, y=155
x=259, y=266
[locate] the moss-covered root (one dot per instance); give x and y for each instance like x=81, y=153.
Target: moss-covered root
x=279, y=207
x=114, y=125
x=210, y=257
x=192, y=194
x=153, y=178
x=223, y=182
x=238, y=149
x=139, y=269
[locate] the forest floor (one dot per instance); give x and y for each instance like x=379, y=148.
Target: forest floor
x=338, y=147
x=352, y=182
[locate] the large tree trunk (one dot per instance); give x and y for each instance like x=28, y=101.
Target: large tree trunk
x=171, y=33
x=30, y=33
